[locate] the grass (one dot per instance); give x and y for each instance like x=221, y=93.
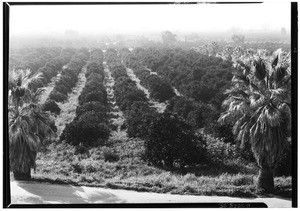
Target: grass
x=68, y=108
x=62, y=163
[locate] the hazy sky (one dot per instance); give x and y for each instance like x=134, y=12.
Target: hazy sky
x=26, y=20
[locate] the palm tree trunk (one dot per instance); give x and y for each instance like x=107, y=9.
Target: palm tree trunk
x=265, y=181
x=22, y=175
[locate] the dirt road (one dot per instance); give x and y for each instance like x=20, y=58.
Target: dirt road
x=44, y=193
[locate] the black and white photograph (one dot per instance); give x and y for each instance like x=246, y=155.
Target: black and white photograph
x=150, y=104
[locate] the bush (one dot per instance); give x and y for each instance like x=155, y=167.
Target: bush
x=58, y=97
x=48, y=73
x=66, y=81
x=62, y=89
x=51, y=105
x=86, y=132
x=95, y=106
x=160, y=89
x=284, y=167
x=172, y=141
x=138, y=119
x=94, y=77
x=94, y=67
x=110, y=155
x=130, y=98
x=219, y=151
x=81, y=149
x=53, y=126
x=223, y=132
x=99, y=96
x=38, y=84
x=77, y=168
x=195, y=113
x=93, y=116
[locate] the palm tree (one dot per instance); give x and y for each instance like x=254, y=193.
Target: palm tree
x=28, y=124
x=259, y=106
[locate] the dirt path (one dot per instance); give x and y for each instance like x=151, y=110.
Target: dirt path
x=44, y=193
x=49, y=89
x=68, y=109
x=160, y=107
x=117, y=115
x=155, y=73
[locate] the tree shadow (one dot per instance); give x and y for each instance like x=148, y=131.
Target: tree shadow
x=65, y=194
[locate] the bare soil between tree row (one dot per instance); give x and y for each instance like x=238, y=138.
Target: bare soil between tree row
x=160, y=107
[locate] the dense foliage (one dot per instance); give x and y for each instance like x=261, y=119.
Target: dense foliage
x=51, y=105
x=125, y=90
x=159, y=87
x=69, y=76
x=90, y=126
x=172, y=143
x=258, y=104
x=29, y=125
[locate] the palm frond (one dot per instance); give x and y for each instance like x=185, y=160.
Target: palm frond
x=258, y=105
x=37, y=95
x=257, y=101
x=275, y=61
x=235, y=91
x=241, y=78
x=278, y=74
x=254, y=88
x=272, y=116
x=12, y=83
x=238, y=125
x=30, y=81
x=279, y=95
x=224, y=117
x=259, y=69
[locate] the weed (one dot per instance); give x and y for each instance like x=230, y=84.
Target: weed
x=127, y=170
x=109, y=155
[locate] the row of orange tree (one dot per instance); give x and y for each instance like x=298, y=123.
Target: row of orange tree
x=32, y=58
x=159, y=87
x=254, y=97
x=168, y=141
x=90, y=126
x=66, y=81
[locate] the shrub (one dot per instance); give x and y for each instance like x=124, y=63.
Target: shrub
x=94, y=77
x=95, y=106
x=47, y=72
x=90, y=168
x=93, y=96
x=62, y=89
x=138, y=119
x=160, y=89
x=86, y=132
x=81, y=149
x=131, y=97
x=51, y=105
x=38, y=84
x=195, y=113
x=171, y=140
x=109, y=155
x=223, y=132
x=58, y=97
x=93, y=116
x=77, y=167
x=66, y=81
x=284, y=167
x=94, y=67
x=219, y=151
